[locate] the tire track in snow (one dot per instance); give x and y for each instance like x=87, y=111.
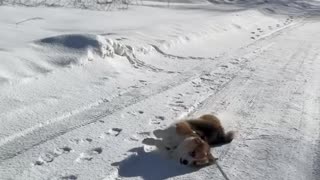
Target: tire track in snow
x=94, y=113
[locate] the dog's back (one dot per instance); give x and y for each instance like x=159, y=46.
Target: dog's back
x=210, y=129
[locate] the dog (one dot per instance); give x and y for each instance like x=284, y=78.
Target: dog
x=189, y=140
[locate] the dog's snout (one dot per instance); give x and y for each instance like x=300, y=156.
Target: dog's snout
x=184, y=161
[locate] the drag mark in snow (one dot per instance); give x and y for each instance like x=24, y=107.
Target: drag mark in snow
x=30, y=19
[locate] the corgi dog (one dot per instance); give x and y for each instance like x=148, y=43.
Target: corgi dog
x=189, y=140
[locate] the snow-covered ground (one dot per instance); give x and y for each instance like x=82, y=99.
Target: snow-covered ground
x=80, y=89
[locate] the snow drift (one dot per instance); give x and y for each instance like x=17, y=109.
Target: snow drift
x=57, y=52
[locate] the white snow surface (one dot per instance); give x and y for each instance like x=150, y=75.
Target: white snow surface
x=80, y=89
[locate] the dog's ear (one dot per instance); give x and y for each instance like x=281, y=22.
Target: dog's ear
x=183, y=128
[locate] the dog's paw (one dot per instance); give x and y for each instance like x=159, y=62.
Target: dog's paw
x=149, y=141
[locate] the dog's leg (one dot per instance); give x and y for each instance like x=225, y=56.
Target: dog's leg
x=154, y=142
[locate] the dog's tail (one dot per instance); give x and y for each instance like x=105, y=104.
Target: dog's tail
x=228, y=137
x=223, y=139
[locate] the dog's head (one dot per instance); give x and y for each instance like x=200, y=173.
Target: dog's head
x=194, y=151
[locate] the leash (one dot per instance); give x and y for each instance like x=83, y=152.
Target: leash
x=222, y=172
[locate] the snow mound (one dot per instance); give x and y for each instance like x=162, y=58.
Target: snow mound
x=53, y=53
x=82, y=46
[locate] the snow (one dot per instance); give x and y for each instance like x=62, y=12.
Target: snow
x=80, y=89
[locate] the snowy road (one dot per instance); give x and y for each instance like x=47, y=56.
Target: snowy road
x=265, y=86
x=275, y=103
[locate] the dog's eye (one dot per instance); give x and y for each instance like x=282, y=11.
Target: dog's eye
x=193, y=154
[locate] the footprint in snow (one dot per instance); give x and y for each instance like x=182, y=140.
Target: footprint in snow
x=114, y=131
x=144, y=82
x=51, y=155
x=69, y=177
x=177, y=97
x=224, y=66
x=178, y=107
x=235, y=61
x=157, y=120
x=179, y=102
x=89, y=155
x=160, y=117
x=140, y=135
x=196, y=84
x=79, y=141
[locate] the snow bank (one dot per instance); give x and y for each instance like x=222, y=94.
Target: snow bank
x=80, y=43
x=45, y=55
x=277, y=6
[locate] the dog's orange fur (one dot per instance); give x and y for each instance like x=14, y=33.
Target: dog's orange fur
x=197, y=136
x=184, y=129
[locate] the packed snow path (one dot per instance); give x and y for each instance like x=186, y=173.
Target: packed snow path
x=265, y=87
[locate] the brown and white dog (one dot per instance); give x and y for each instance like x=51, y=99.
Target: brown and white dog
x=189, y=140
